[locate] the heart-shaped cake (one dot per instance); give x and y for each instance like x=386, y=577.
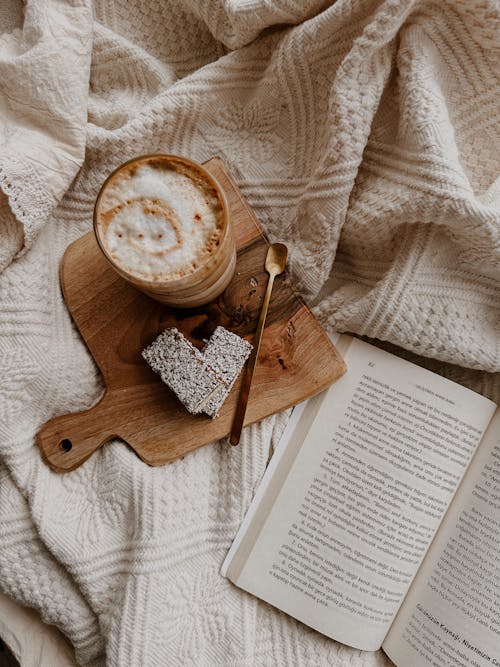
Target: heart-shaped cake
x=201, y=380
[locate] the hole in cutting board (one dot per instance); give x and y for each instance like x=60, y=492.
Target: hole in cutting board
x=66, y=445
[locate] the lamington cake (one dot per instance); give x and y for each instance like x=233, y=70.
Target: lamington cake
x=202, y=379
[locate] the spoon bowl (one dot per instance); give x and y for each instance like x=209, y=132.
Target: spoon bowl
x=276, y=258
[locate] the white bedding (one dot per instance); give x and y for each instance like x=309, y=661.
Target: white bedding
x=364, y=134
x=32, y=642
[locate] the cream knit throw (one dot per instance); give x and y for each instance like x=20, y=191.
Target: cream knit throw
x=365, y=134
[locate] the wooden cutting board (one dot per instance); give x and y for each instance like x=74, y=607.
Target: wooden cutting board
x=116, y=321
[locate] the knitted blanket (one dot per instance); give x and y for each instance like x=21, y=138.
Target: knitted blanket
x=365, y=134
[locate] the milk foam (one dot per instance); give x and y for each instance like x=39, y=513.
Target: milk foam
x=159, y=221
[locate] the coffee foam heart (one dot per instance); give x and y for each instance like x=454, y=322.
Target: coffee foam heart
x=159, y=220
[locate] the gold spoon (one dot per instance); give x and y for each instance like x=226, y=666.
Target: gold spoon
x=275, y=264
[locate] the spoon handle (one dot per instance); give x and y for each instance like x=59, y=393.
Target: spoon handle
x=241, y=408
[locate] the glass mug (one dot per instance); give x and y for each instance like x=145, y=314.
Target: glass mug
x=152, y=219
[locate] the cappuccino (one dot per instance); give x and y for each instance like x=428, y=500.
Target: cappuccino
x=162, y=222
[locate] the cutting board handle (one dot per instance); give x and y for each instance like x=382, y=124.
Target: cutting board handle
x=67, y=441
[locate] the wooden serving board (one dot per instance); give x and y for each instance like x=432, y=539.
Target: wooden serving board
x=116, y=321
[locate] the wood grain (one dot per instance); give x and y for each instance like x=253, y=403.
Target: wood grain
x=116, y=321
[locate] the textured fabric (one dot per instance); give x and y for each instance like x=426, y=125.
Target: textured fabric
x=365, y=136
x=32, y=642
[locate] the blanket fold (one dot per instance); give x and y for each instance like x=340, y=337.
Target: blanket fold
x=44, y=74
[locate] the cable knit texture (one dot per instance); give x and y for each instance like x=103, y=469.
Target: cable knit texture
x=365, y=134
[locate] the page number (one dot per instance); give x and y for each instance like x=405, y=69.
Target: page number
x=371, y=364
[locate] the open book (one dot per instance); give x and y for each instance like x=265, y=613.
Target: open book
x=378, y=519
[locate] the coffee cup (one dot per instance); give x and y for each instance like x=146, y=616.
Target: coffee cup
x=163, y=223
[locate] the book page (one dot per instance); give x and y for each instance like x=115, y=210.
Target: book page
x=356, y=498
x=452, y=613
